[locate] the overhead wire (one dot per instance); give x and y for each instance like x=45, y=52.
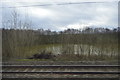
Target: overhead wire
x=52, y=4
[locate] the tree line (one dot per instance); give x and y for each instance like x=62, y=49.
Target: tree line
x=14, y=39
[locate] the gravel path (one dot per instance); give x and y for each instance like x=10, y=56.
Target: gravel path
x=60, y=63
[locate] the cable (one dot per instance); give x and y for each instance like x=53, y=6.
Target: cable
x=58, y=4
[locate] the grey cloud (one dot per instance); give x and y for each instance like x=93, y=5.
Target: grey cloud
x=65, y=15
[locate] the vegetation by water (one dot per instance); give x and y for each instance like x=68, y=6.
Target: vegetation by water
x=21, y=44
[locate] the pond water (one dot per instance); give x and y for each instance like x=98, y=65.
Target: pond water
x=81, y=49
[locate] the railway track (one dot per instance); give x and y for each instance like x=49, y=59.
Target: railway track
x=60, y=70
x=63, y=72
x=34, y=66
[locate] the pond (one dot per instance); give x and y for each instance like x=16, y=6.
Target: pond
x=82, y=49
x=71, y=52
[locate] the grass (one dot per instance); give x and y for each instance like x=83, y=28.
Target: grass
x=73, y=57
x=26, y=52
x=32, y=59
x=29, y=51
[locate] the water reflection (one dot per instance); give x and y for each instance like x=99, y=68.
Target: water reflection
x=82, y=49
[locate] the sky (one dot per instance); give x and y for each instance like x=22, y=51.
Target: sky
x=63, y=14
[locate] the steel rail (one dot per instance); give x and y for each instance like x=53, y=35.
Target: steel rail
x=62, y=72
x=37, y=66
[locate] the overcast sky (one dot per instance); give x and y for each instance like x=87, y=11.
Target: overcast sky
x=62, y=14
